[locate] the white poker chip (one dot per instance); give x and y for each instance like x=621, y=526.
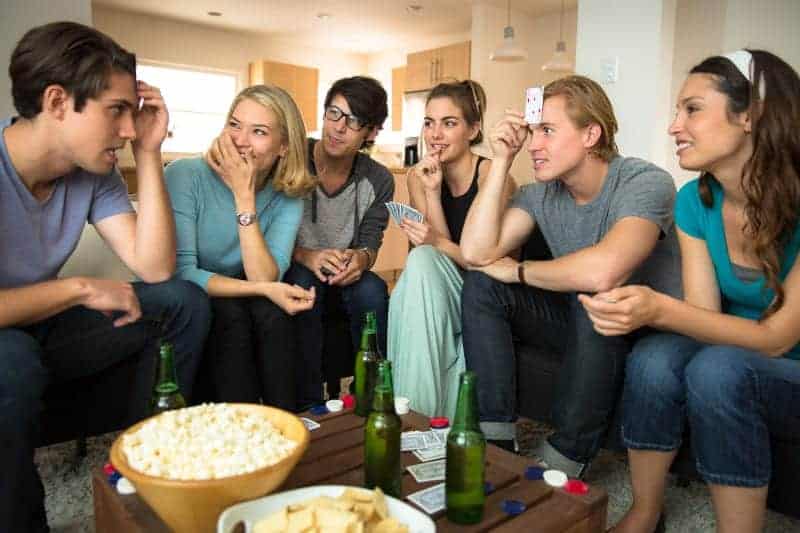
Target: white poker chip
x=124, y=486
x=334, y=405
x=401, y=405
x=555, y=478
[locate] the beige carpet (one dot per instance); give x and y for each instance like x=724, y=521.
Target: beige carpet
x=69, y=493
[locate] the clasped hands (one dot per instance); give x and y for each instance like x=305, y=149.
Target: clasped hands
x=338, y=267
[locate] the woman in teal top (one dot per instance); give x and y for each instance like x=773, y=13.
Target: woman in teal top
x=730, y=370
x=237, y=211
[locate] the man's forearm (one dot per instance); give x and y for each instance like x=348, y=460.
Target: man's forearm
x=481, y=233
x=22, y=306
x=155, y=225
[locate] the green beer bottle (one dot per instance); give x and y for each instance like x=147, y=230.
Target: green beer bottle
x=166, y=393
x=466, y=454
x=382, y=467
x=366, y=371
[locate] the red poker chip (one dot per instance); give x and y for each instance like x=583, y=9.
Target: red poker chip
x=108, y=469
x=576, y=486
x=439, y=422
x=349, y=401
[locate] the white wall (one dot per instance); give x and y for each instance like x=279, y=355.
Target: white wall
x=17, y=17
x=505, y=83
x=640, y=35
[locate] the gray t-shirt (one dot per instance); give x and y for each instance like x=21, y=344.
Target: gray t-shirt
x=37, y=238
x=632, y=188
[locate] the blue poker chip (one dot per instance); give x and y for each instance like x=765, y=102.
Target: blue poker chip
x=512, y=507
x=319, y=410
x=488, y=488
x=113, y=478
x=532, y=473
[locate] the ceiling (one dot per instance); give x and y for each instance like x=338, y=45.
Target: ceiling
x=363, y=26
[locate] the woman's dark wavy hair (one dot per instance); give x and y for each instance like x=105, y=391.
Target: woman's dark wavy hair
x=771, y=177
x=77, y=57
x=469, y=97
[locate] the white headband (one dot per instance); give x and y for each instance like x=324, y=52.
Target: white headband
x=744, y=62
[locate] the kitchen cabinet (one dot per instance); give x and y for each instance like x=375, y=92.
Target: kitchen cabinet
x=398, y=88
x=394, y=250
x=300, y=82
x=427, y=68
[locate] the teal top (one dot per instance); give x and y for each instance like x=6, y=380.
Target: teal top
x=747, y=299
x=207, y=229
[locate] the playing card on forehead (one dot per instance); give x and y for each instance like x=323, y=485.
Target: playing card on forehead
x=534, y=100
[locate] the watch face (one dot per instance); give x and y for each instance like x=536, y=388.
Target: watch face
x=245, y=219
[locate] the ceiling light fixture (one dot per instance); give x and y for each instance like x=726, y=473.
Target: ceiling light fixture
x=324, y=16
x=414, y=9
x=214, y=14
x=560, y=61
x=508, y=51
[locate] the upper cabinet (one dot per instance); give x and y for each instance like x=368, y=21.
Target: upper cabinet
x=300, y=82
x=429, y=67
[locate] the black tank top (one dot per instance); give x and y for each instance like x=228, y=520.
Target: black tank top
x=455, y=208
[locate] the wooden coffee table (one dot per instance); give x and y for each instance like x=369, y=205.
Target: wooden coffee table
x=336, y=455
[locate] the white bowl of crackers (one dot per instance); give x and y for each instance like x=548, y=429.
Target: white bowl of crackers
x=328, y=509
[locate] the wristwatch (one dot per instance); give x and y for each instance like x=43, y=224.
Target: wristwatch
x=368, y=253
x=245, y=219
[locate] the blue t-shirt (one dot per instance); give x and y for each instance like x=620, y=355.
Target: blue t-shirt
x=739, y=298
x=206, y=225
x=37, y=238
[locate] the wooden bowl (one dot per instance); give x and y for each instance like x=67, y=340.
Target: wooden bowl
x=195, y=505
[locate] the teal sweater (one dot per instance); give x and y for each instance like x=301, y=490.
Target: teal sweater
x=206, y=226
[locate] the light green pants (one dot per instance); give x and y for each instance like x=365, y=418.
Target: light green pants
x=424, y=337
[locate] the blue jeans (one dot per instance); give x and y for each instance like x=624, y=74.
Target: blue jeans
x=369, y=293
x=732, y=399
x=592, y=368
x=80, y=343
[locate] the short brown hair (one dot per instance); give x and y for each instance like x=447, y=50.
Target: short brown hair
x=587, y=103
x=74, y=56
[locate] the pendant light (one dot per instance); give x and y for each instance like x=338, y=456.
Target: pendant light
x=508, y=51
x=559, y=62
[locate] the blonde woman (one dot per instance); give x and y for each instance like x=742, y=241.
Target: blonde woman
x=237, y=211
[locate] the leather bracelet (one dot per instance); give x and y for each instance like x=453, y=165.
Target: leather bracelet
x=521, y=273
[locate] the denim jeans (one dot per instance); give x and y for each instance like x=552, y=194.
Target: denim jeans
x=592, y=368
x=731, y=397
x=250, y=353
x=79, y=343
x=369, y=293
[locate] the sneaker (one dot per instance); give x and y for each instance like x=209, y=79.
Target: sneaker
x=547, y=456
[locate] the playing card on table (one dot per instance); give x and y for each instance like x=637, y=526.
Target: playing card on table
x=310, y=424
x=412, y=440
x=432, y=440
x=425, y=472
x=534, y=100
x=430, y=500
x=431, y=454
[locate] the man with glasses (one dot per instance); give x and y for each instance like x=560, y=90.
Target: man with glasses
x=343, y=224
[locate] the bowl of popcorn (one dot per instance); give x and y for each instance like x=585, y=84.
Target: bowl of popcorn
x=190, y=464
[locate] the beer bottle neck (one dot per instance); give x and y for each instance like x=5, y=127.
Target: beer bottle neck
x=383, y=401
x=167, y=377
x=466, y=416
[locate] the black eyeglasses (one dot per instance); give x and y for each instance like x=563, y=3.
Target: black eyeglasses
x=333, y=114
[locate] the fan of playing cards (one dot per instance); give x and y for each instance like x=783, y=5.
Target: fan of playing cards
x=400, y=211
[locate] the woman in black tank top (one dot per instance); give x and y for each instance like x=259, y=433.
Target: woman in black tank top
x=424, y=338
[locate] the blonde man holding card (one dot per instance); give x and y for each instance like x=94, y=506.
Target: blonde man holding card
x=424, y=334
x=607, y=220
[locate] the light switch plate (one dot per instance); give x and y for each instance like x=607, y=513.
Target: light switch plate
x=609, y=69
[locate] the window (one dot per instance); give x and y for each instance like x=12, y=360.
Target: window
x=197, y=100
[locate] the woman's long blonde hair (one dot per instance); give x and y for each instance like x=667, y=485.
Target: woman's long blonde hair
x=290, y=174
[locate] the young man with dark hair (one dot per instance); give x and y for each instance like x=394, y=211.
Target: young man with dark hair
x=79, y=102
x=607, y=220
x=343, y=223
